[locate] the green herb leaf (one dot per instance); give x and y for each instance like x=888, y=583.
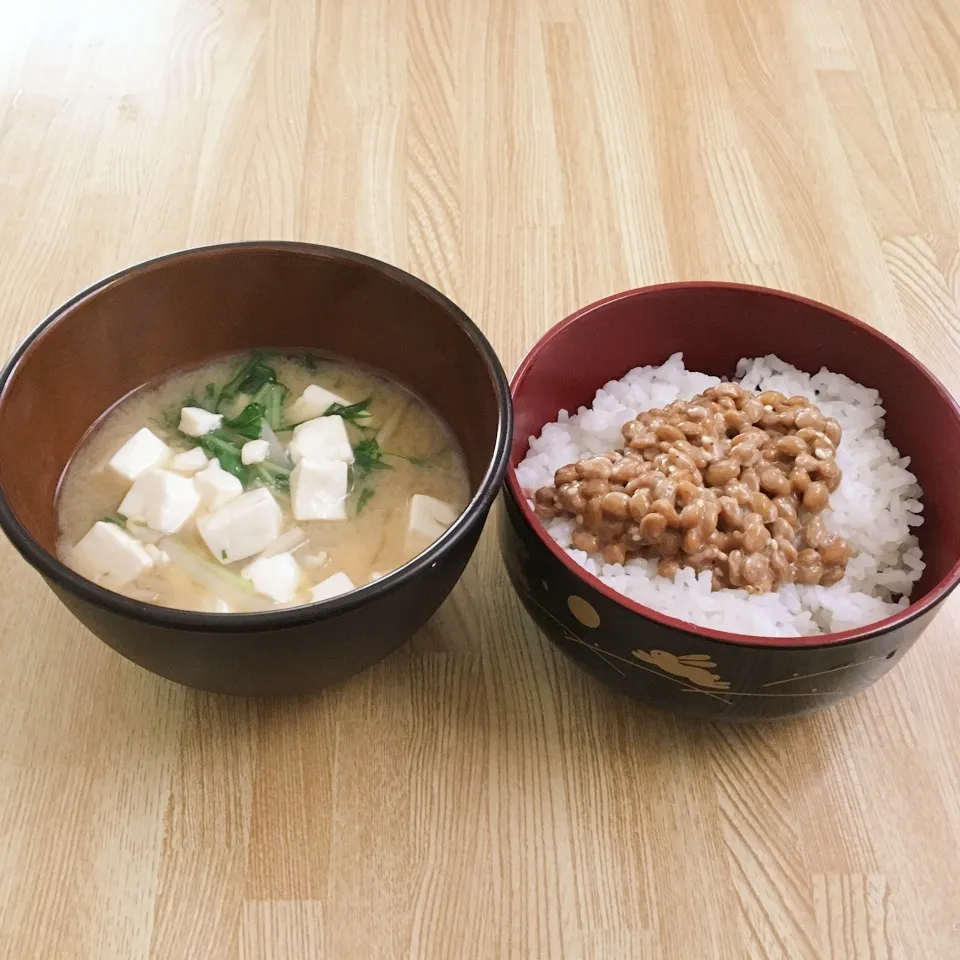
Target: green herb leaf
x=118, y=518
x=272, y=475
x=367, y=457
x=258, y=375
x=247, y=423
x=271, y=396
x=353, y=412
x=249, y=379
x=209, y=402
x=169, y=419
x=232, y=387
x=366, y=494
x=223, y=554
x=206, y=400
x=227, y=452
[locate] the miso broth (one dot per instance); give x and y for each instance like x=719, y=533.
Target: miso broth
x=259, y=482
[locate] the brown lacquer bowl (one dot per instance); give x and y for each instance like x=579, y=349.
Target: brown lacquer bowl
x=662, y=659
x=192, y=306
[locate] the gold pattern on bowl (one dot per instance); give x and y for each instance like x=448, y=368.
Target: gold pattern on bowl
x=584, y=612
x=695, y=667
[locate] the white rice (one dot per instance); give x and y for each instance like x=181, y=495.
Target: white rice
x=874, y=508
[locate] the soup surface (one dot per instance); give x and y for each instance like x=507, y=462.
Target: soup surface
x=259, y=482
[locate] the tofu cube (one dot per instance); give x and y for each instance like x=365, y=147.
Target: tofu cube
x=189, y=462
x=429, y=518
x=322, y=439
x=195, y=421
x=165, y=500
x=332, y=587
x=243, y=527
x=109, y=556
x=216, y=487
x=314, y=402
x=142, y=452
x=276, y=577
x=318, y=490
x=255, y=451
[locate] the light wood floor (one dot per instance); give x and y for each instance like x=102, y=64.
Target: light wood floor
x=474, y=796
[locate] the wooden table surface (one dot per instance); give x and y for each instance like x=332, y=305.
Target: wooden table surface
x=474, y=796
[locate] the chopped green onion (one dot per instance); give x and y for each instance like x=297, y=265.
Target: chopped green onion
x=118, y=518
x=366, y=494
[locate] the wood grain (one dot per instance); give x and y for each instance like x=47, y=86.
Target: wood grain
x=475, y=796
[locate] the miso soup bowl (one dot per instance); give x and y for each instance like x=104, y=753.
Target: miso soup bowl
x=659, y=657
x=187, y=308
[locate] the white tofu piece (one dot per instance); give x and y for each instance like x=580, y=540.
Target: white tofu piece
x=276, y=577
x=315, y=401
x=324, y=438
x=255, y=451
x=216, y=487
x=243, y=527
x=429, y=518
x=318, y=490
x=109, y=556
x=142, y=452
x=314, y=560
x=332, y=587
x=195, y=421
x=165, y=500
x=189, y=462
x=376, y=575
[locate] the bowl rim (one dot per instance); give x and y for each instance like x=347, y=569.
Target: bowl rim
x=49, y=566
x=917, y=608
